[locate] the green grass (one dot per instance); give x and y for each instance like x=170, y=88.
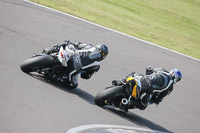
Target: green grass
x=174, y=24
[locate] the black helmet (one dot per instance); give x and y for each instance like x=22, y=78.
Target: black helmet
x=103, y=49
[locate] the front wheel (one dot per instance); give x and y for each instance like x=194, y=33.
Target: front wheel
x=34, y=63
x=109, y=94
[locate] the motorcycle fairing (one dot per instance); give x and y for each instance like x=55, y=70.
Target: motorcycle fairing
x=63, y=57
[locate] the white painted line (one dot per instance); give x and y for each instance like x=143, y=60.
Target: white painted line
x=111, y=30
x=113, y=128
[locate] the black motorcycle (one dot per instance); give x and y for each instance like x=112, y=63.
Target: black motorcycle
x=117, y=96
x=53, y=66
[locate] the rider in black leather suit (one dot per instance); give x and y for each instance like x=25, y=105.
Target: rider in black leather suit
x=89, y=58
x=155, y=85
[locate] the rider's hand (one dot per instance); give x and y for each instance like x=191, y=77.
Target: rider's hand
x=46, y=51
x=116, y=82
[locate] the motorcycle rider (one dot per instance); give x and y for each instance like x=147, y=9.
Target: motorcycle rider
x=149, y=88
x=86, y=60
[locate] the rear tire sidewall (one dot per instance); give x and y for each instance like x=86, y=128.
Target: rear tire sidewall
x=36, y=62
x=108, y=94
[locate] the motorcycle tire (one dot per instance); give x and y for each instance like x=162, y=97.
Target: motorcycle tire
x=108, y=94
x=31, y=64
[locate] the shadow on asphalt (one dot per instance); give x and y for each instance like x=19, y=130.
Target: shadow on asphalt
x=79, y=92
x=136, y=119
x=132, y=117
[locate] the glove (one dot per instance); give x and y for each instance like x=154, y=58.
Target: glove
x=51, y=50
x=116, y=82
x=47, y=51
x=132, y=74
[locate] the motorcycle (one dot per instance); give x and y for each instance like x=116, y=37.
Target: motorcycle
x=53, y=66
x=115, y=96
x=118, y=97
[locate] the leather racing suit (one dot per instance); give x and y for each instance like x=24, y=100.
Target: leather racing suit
x=86, y=61
x=155, y=85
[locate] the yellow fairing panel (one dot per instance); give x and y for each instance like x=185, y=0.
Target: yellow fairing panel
x=134, y=92
x=129, y=78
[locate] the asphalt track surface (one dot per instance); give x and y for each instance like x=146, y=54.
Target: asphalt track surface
x=30, y=105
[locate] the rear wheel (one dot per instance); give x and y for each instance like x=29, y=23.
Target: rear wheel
x=33, y=63
x=109, y=94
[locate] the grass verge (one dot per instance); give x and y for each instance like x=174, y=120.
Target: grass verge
x=174, y=24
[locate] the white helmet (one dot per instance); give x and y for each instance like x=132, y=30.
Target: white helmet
x=176, y=75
